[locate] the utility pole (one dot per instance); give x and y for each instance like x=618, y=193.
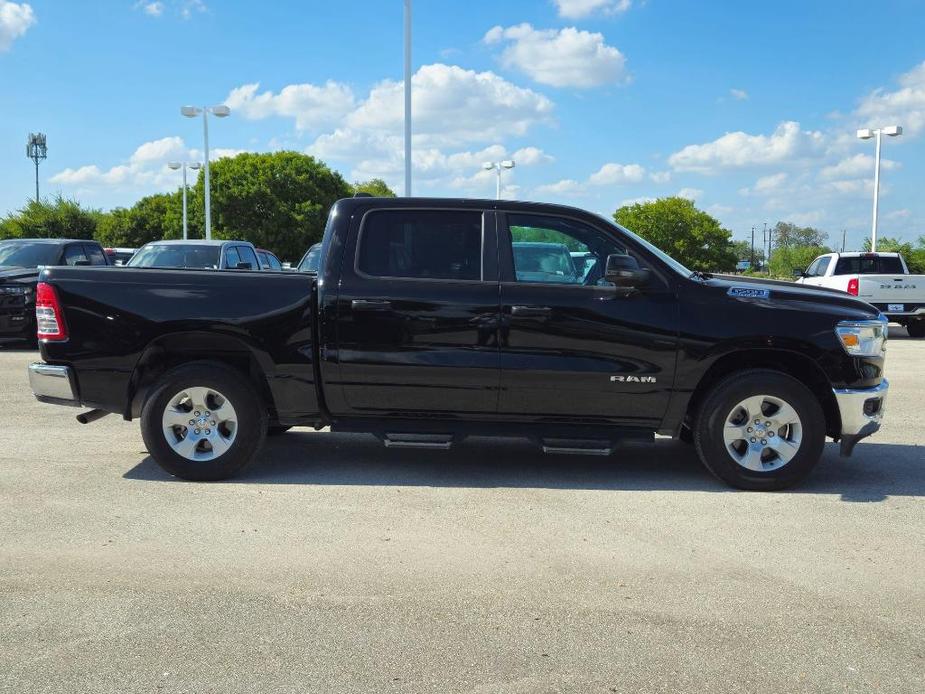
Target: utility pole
x=37, y=150
x=765, y=239
x=751, y=265
x=843, y=235
x=407, y=98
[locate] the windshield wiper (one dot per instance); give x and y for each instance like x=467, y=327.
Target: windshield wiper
x=700, y=275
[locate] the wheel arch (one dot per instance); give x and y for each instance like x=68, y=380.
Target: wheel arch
x=794, y=364
x=169, y=351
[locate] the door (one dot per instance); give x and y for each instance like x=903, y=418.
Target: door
x=573, y=347
x=815, y=273
x=417, y=314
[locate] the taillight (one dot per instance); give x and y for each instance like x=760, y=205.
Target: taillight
x=49, y=317
x=853, y=286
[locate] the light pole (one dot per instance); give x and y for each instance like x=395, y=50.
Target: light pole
x=497, y=166
x=407, y=98
x=184, y=165
x=220, y=111
x=878, y=133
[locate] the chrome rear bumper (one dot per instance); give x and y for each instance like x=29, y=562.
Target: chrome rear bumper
x=861, y=411
x=53, y=384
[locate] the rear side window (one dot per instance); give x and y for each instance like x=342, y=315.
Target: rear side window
x=74, y=254
x=869, y=265
x=421, y=244
x=96, y=255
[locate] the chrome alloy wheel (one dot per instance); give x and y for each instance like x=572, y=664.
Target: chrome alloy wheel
x=200, y=423
x=762, y=433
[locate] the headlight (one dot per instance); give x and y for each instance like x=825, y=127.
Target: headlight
x=863, y=338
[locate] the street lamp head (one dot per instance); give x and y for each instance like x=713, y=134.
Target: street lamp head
x=220, y=111
x=190, y=111
x=488, y=166
x=174, y=165
x=865, y=134
x=508, y=163
x=893, y=130
x=195, y=165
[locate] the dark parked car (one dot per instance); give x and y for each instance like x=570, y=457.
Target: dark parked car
x=421, y=328
x=197, y=254
x=119, y=256
x=20, y=260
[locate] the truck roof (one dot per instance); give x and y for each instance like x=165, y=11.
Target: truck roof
x=195, y=242
x=456, y=203
x=862, y=254
x=52, y=241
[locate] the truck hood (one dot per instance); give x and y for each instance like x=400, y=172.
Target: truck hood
x=820, y=299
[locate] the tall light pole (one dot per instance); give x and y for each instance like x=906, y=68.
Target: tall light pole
x=36, y=150
x=498, y=166
x=407, y=98
x=184, y=165
x=220, y=111
x=878, y=133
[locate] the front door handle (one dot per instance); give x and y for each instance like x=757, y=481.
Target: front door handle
x=528, y=311
x=370, y=305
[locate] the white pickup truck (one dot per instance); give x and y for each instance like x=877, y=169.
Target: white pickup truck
x=881, y=279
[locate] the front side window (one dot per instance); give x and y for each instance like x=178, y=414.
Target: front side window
x=422, y=244
x=232, y=258
x=95, y=254
x=555, y=250
x=822, y=266
x=247, y=255
x=74, y=254
x=311, y=260
x=811, y=270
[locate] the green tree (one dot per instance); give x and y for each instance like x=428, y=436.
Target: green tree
x=784, y=260
x=278, y=200
x=677, y=227
x=375, y=187
x=787, y=235
x=152, y=218
x=743, y=251
x=57, y=218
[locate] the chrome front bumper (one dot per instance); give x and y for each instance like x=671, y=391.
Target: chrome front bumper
x=861, y=411
x=53, y=384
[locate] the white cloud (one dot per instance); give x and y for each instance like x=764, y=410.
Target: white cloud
x=660, y=176
x=857, y=165
x=689, y=193
x=738, y=149
x=567, y=187
x=528, y=156
x=636, y=201
x=311, y=106
x=617, y=174
x=566, y=57
x=155, y=9
x=766, y=185
x=146, y=168
x=738, y=94
x=904, y=106
x=15, y=20
x=577, y=9
x=899, y=214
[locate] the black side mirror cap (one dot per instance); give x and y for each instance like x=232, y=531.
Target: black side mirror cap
x=624, y=271
x=798, y=273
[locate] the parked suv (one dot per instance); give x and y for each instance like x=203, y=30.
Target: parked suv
x=197, y=254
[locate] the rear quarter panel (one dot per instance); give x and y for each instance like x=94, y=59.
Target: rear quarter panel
x=115, y=315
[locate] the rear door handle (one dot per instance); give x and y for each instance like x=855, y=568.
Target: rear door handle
x=528, y=311
x=370, y=305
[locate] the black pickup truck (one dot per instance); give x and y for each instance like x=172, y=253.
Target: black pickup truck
x=430, y=320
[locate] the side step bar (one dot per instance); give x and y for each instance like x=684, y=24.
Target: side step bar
x=434, y=442
x=577, y=446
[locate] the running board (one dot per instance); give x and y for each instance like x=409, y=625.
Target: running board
x=577, y=446
x=433, y=442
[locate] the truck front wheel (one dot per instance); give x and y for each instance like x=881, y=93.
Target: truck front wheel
x=916, y=328
x=760, y=429
x=204, y=421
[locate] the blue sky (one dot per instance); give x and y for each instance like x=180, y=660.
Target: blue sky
x=748, y=108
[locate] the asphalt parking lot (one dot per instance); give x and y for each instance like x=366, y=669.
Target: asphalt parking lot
x=337, y=565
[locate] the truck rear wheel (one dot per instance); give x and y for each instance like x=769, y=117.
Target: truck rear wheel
x=916, y=328
x=760, y=429
x=204, y=421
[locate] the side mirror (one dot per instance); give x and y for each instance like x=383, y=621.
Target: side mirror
x=624, y=271
x=243, y=266
x=798, y=272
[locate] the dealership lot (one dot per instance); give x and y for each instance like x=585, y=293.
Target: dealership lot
x=334, y=564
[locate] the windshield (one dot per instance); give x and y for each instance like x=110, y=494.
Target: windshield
x=312, y=259
x=664, y=257
x=27, y=254
x=177, y=255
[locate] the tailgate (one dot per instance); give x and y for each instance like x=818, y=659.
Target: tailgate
x=892, y=289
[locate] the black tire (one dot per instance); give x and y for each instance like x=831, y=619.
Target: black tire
x=277, y=429
x=916, y=328
x=734, y=389
x=250, y=421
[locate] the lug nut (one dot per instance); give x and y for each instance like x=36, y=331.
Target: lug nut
x=757, y=421
x=206, y=413
x=764, y=442
x=196, y=414
x=754, y=439
x=767, y=424
x=196, y=431
x=750, y=430
x=770, y=433
x=192, y=422
x=212, y=423
x=208, y=432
